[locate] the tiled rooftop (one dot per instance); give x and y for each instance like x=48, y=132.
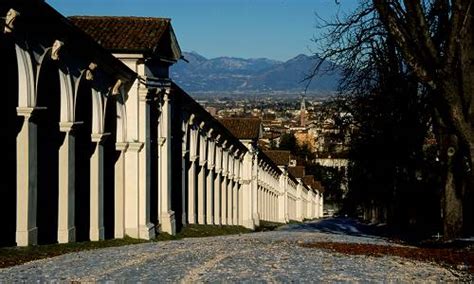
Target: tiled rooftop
x=243, y=128
x=131, y=34
x=279, y=157
x=297, y=172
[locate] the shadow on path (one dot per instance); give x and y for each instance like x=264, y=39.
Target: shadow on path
x=336, y=225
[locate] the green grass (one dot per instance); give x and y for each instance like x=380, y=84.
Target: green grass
x=267, y=226
x=197, y=231
x=10, y=256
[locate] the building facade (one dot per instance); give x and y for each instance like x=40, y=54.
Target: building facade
x=102, y=144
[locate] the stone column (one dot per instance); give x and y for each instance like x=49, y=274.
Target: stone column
x=167, y=216
x=321, y=204
x=224, y=199
x=202, y=180
x=192, y=187
x=131, y=189
x=235, y=192
x=66, y=228
x=309, y=208
x=254, y=190
x=96, y=231
x=282, y=198
x=218, y=186
x=225, y=181
x=299, y=201
x=241, y=200
x=184, y=171
x=27, y=183
x=119, y=202
x=210, y=179
x=247, y=192
x=230, y=187
x=235, y=204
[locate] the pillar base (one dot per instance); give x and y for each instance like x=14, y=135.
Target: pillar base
x=146, y=232
x=67, y=236
x=131, y=232
x=191, y=219
x=256, y=220
x=26, y=238
x=184, y=219
x=210, y=220
x=202, y=219
x=217, y=221
x=96, y=234
x=168, y=223
x=120, y=235
x=249, y=224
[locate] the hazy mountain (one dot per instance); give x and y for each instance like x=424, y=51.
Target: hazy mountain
x=230, y=74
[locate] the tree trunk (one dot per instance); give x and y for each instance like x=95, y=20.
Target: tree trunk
x=454, y=179
x=452, y=205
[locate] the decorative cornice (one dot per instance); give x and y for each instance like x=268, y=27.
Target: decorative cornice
x=135, y=146
x=57, y=45
x=10, y=20
x=28, y=112
x=121, y=146
x=67, y=126
x=99, y=137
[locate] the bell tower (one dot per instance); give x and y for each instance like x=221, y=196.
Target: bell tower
x=303, y=112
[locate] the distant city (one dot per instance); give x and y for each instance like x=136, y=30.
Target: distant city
x=252, y=78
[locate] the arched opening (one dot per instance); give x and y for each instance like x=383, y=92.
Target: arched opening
x=49, y=141
x=110, y=158
x=11, y=125
x=84, y=150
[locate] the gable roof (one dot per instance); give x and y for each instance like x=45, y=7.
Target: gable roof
x=131, y=34
x=243, y=128
x=279, y=157
x=297, y=172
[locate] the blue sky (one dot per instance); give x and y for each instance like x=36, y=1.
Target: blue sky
x=276, y=29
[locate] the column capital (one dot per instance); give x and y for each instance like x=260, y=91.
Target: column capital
x=99, y=137
x=184, y=152
x=121, y=146
x=67, y=126
x=28, y=112
x=135, y=146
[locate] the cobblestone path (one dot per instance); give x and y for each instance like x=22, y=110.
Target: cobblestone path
x=259, y=257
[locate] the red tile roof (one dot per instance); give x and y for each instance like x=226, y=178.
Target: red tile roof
x=310, y=181
x=297, y=172
x=243, y=128
x=279, y=157
x=131, y=34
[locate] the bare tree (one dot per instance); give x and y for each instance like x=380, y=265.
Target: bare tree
x=436, y=38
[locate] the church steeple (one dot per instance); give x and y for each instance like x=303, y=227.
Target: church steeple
x=303, y=112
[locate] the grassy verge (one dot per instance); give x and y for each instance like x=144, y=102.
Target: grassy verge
x=10, y=256
x=267, y=226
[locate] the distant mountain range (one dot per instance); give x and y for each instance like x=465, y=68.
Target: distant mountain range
x=260, y=75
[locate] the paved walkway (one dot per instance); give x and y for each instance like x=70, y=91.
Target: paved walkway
x=259, y=257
